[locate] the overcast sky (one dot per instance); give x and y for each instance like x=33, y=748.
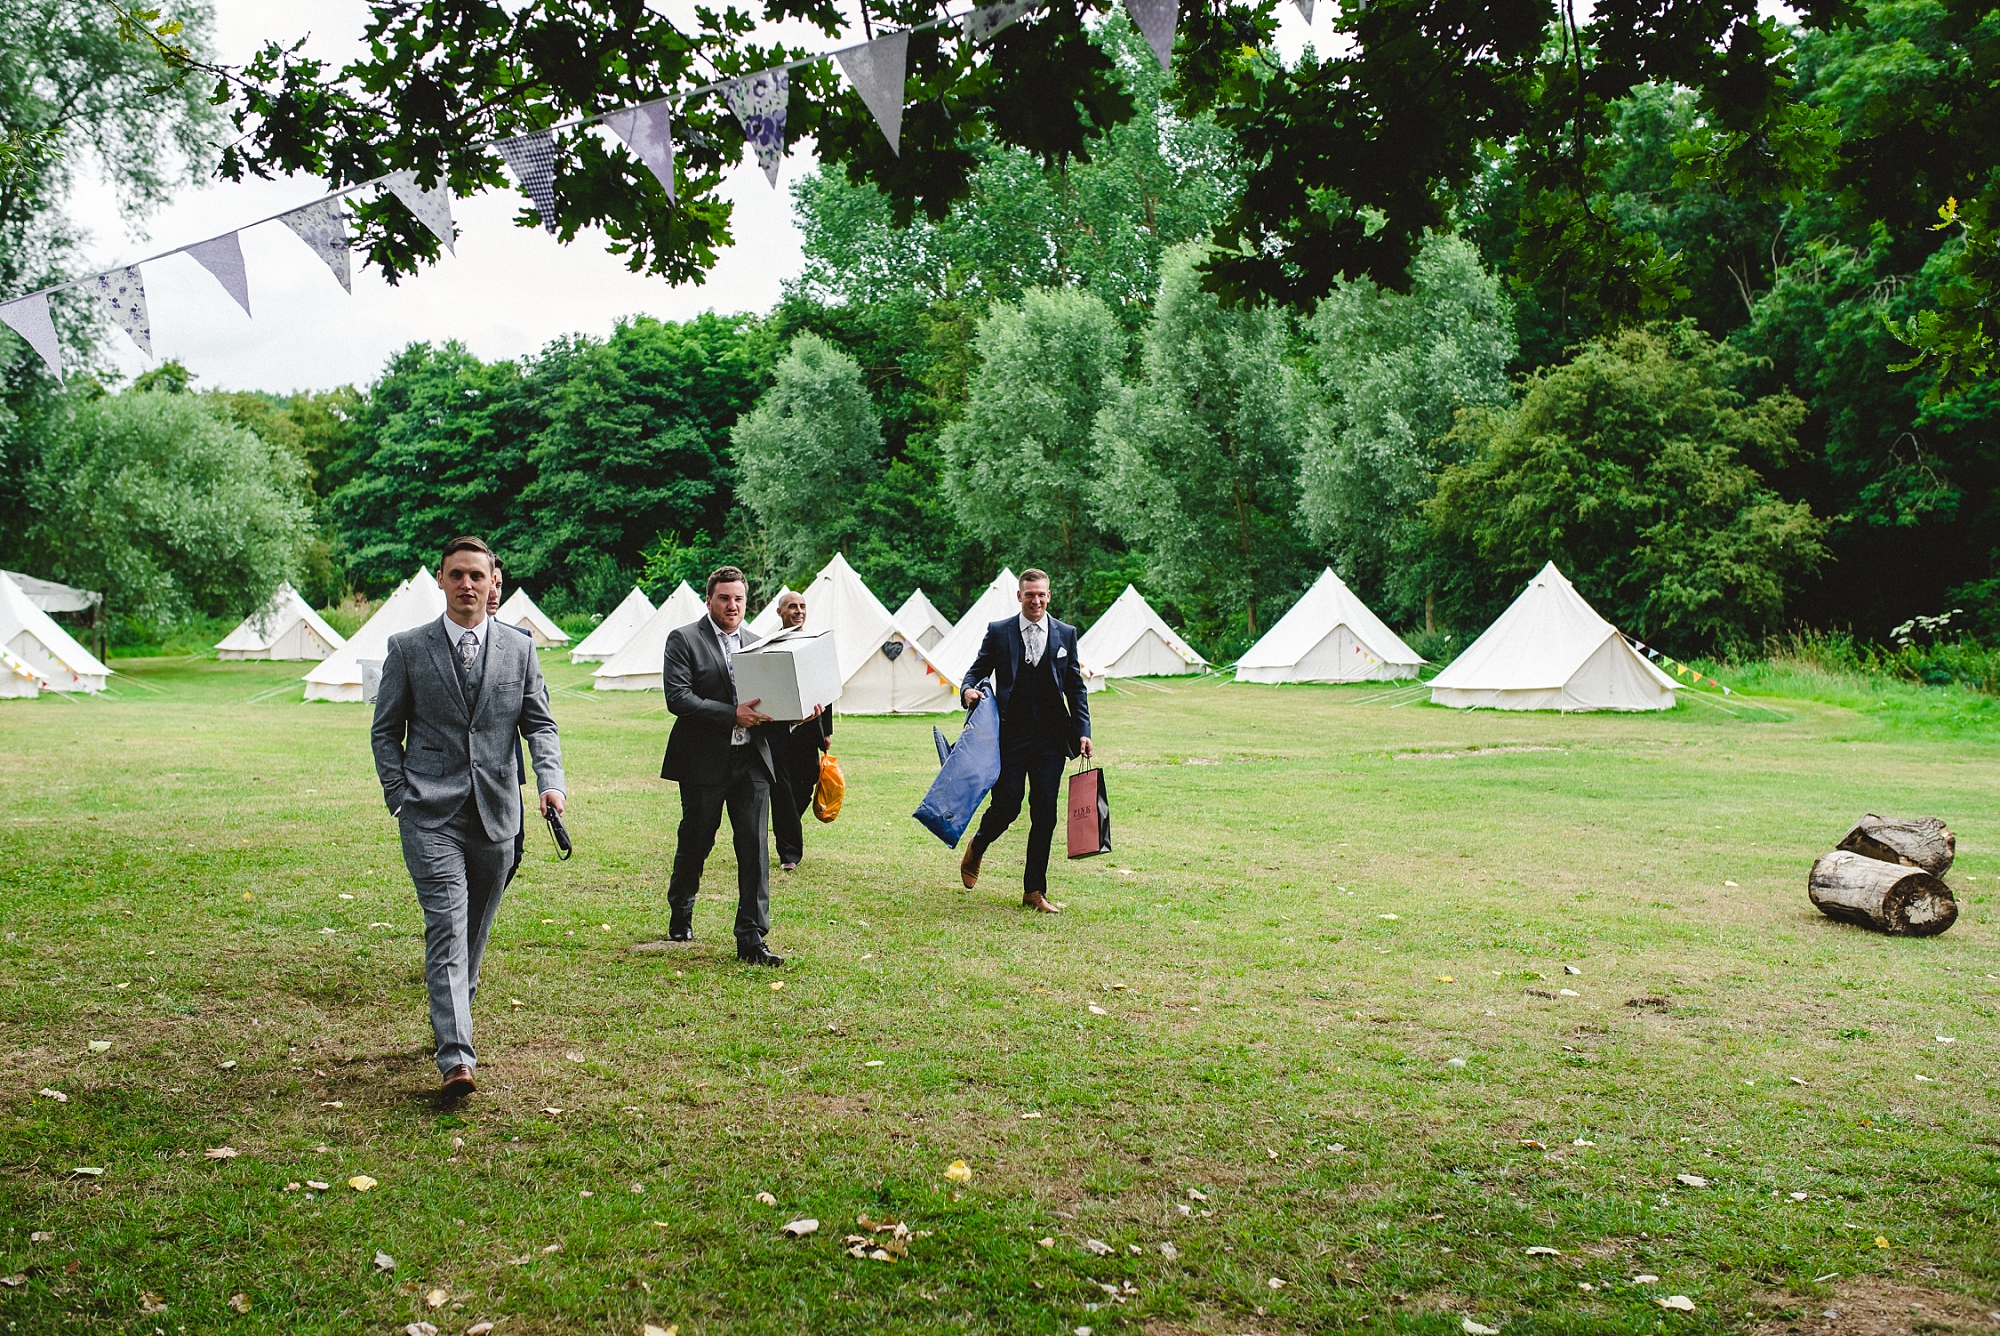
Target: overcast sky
x=508, y=291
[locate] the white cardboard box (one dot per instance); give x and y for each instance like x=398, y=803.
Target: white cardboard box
x=789, y=674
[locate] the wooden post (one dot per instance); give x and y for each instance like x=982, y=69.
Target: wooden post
x=1888, y=897
x=1923, y=842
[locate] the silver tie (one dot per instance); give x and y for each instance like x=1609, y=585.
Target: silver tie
x=468, y=650
x=1034, y=644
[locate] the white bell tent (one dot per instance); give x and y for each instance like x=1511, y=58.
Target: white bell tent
x=609, y=636
x=960, y=646
x=1328, y=636
x=338, y=676
x=520, y=610
x=1551, y=651
x=767, y=623
x=286, y=627
x=36, y=654
x=1132, y=640
x=920, y=617
x=636, y=666
x=883, y=669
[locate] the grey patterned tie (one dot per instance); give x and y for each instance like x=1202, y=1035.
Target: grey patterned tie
x=468, y=650
x=1034, y=644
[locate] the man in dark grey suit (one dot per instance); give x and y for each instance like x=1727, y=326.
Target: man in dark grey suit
x=456, y=693
x=720, y=758
x=1044, y=720
x=520, y=752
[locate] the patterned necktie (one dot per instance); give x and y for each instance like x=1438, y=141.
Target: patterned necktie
x=1034, y=644
x=468, y=650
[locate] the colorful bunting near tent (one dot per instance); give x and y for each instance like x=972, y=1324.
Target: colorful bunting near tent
x=29, y=317
x=1155, y=21
x=533, y=160
x=982, y=23
x=322, y=225
x=432, y=208
x=122, y=294
x=223, y=257
x=649, y=132
x=877, y=72
x=759, y=101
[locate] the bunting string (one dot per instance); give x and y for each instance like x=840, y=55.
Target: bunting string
x=877, y=69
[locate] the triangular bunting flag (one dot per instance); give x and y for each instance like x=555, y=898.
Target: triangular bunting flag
x=223, y=257
x=649, y=132
x=431, y=207
x=1305, y=8
x=29, y=317
x=122, y=293
x=983, y=22
x=1155, y=21
x=533, y=159
x=876, y=71
x=322, y=225
x=759, y=101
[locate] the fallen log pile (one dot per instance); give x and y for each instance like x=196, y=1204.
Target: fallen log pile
x=1888, y=874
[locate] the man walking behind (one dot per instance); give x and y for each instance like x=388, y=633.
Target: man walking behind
x=1044, y=720
x=795, y=750
x=454, y=697
x=720, y=758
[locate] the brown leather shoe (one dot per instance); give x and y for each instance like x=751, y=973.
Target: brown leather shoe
x=1037, y=901
x=458, y=1082
x=968, y=867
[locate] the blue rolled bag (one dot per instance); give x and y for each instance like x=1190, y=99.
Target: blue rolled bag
x=968, y=770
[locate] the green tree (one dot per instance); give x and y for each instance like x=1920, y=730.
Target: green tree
x=166, y=506
x=445, y=441
x=1632, y=468
x=635, y=440
x=806, y=453
x=1388, y=373
x=1022, y=464
x=1200, y=469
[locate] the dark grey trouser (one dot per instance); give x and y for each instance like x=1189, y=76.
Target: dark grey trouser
x=460, y=875
x=747, y=795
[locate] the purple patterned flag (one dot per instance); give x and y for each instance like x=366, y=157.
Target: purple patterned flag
x=322, y=225
x=533, y=158
x=987, y=20
x=759, y=102
x=649, y=132
x=122, y=294
x=432, y=208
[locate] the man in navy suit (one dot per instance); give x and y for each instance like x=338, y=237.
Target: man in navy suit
x=1044, y=720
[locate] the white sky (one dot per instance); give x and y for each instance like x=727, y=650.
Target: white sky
x=507, y=292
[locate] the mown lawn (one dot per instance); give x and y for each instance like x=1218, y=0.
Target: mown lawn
x=1234, y=1062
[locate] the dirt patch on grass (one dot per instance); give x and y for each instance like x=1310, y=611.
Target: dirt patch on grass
x=1876, y=1308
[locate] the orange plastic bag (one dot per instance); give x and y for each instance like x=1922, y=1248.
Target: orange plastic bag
x=831, y=789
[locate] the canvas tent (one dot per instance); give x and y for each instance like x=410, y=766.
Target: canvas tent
x=286, y=627
x=767, y=623
x=1328, y=636
x=882, y=667
x=50, y=596
x=520, y=610
x=636, y=666
x=1131, y=640
x=415, y=602
x=920, y=617
x=1551, y=651
x=610, y=635
x=960, y=646
x=38, y=654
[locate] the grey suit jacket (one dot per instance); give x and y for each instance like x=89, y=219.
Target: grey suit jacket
x=702, y=698
x=430, y=755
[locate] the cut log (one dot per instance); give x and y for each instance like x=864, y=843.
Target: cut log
x=1923, y=842
x=1888, y=897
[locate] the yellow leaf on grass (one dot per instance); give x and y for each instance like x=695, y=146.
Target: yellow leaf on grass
x=438, y=1298
x=219, y=1153
x=361, y=1182
x=959, y=1172
x=240, y=1302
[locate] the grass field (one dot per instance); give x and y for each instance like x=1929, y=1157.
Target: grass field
x=1310, y=1024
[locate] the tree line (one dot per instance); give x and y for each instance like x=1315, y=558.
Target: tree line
x=1045, y=375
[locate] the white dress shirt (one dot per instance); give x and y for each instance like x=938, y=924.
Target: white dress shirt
x=731, y=641
x=1034, y=639
x=456, y=633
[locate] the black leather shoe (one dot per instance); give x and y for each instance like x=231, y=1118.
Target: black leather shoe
x=680, y=929
x=762, y=955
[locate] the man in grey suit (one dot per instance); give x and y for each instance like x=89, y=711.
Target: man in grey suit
x=720, y=758
x=455, y=695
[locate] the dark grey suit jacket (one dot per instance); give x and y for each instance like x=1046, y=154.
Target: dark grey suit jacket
x=430, y=752
x=702, y=697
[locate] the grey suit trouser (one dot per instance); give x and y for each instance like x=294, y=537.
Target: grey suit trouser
x=460, y=875
x=747, y=795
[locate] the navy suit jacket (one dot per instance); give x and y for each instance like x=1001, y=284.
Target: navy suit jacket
x=1002, y=655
